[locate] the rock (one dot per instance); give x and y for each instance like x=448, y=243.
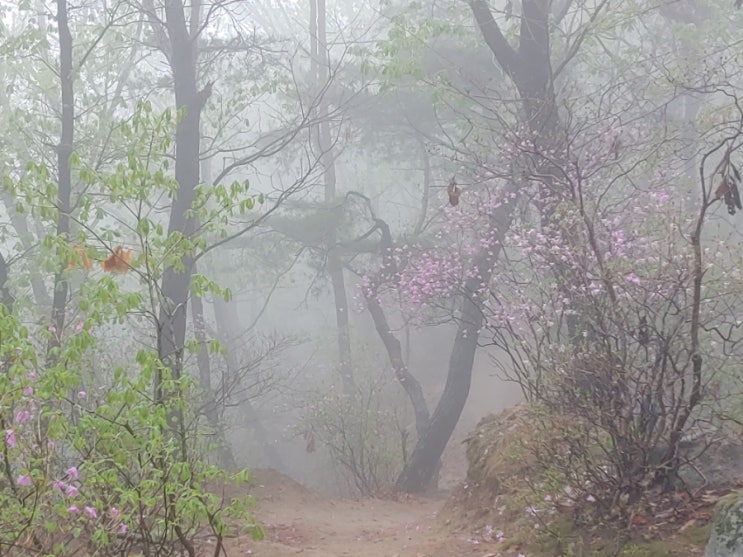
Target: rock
x=726, y=539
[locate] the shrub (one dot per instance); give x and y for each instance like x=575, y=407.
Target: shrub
x=98, y=472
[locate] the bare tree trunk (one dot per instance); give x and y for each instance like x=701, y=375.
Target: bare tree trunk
x=394, y=353
x=420, y=471
x=319, y=48
x=20, y=224
x=64, y=171
x=530, y=69
x=189, y=101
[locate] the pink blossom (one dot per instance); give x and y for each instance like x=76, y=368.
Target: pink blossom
x=114, y=512
x=10, y=438
x=22, y=416
x=59, y=485
x=28, y=391
x=72, y=472
x=52, y=329
x=123, y=528
x=50, y=445
x=91, y=512
x=23, y=480
x=79, y=327
x=71, y=491
x=632, y=278
x=82, y=394
x=72, y=509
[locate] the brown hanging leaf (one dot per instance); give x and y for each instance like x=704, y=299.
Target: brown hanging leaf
x=721, y=189
x=454, y=193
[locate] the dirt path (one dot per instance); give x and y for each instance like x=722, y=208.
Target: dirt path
x=299, y=523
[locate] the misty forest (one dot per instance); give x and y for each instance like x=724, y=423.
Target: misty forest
x=374, y=278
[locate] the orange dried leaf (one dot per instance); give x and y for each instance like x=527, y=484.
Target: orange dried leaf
x=81, y=259
x=118, y=262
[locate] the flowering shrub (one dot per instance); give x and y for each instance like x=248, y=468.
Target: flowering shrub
x=94, y=474
x=612, y=304
x=92, y=460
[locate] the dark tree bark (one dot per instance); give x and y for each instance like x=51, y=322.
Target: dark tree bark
x=420, y=471
x=530, y=69
x=189, y=101
x=64, y=172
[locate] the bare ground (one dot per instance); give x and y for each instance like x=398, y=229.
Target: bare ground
x=297, y=522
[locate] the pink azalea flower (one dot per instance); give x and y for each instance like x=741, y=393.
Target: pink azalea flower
x=72, y=509
x=58, y=485
x=632, y=278
x=71, y=491
x=23, y=480
x=22, y=416
x=91, y=512
x=10, y=438
x=72, y=472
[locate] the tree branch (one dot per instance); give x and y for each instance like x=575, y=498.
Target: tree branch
x=504, y=53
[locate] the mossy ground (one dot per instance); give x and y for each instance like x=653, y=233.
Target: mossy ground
x=508, y=496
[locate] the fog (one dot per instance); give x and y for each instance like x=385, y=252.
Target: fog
x=329, y=237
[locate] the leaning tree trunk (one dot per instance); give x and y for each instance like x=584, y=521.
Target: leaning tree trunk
x=530, y=70
x=420, y=471
x=394, y=352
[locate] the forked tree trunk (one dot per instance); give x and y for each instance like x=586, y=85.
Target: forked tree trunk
x=530, y=70
x=421, y=470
